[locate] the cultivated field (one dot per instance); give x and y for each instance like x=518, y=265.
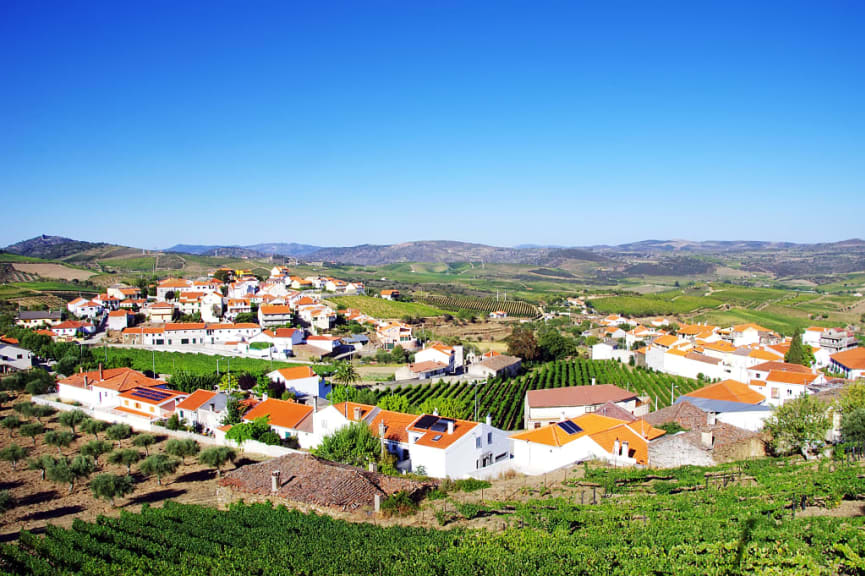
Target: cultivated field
x=386, y=309
x=54, y=271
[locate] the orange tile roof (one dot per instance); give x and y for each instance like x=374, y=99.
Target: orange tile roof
x=118, y=313
x=118, y=379
x=297, y=372
x=638, y=448
x=743, y=327
x=645, y=429
x=169, y=395
x=137, y=412
x=553, y=435
x=853, y=359
x=144, y=330
x=180, y=326
x=275, y=309
x=281, y=413
x=347, y=410
x=728, y=391
x=396, y=425
x=665, y=341
x=782, y=366
x=461, y=428
x=790, y=377
x=196, y=400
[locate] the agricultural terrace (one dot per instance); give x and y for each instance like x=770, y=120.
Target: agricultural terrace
x=503, y=398
x=649, y=522
x=169, y=362
x=512, y=307
x=387, y=309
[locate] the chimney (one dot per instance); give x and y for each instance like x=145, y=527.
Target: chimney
x=357, y=412
x=100, y=372
x=616, y=448
x=213, y=407
x=86, y=381
x=274, y=481
x=626, y=452
x=81, y=369
x=450, y=426
x=710, y=418
x=707, y=439
x=381, y=429
x=435, y=412
x=489, y=420
x=593, y=381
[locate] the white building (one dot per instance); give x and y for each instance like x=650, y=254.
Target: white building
x=101, y=388
x=450, y=356
x=204, y=408
x=286, y=419
x=302, y=380
x=543, y=407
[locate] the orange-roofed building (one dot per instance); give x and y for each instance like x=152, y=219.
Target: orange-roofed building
x=149, y=404
x=273, y=315
x=286, y=418
x=101, y=388
x=203, y=409
x=302, y=380
x=851, y=363
x=587, y=437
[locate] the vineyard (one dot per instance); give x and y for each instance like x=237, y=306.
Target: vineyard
x=512, y=307
x=502, y=398
x=656, y=522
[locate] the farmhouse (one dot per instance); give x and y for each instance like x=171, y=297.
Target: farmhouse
x=37, y=318
x=274, y=315
x=851, y=363
x=390, y=294
x=732, y=402
x=119, y=319
x=450, y=356
x=496, y=367
x=302, y=380
x=101, y=388
x=543, y=407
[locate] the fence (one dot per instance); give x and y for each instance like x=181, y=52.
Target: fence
x=143, y=425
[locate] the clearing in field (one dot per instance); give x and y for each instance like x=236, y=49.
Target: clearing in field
x=385, y=309
x=54, y=271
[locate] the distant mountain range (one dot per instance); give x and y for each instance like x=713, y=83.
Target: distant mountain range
x=649, y=257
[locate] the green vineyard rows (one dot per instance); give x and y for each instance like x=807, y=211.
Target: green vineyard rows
x=512, y=307
x=503, y=398
x=745, y=528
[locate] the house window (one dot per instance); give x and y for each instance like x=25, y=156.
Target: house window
x=477, y=442
x=489, y=437
x=151, y=409
x=590, y=409
x=776, y=393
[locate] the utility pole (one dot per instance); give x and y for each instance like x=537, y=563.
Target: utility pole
x=153, y=354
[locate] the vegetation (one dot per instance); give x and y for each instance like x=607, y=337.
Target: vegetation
x=503, y=398
x=182, y=448
x=388, y=309
x=126, y=457
x=199, y=364
x=798, y=425
x=13, y=453
x=159, y=465
x=487, y=305
x=111, y=486
x=216, y=457
x=354, y=444
x=144, y=441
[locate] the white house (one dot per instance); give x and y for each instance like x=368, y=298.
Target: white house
x=543, y=407
x=851, y=363
x=72, y=328
x=160, y=312
x=450, y=356
x=273, y=315
x=83, y=308
x=101, y=388
x=149, y=403
x=326, y=343
x=586, y=437
x=282, y=340
x=302, y=380
x=14, y=357
x=204, y=408
x=119, y=319
x=495, y=366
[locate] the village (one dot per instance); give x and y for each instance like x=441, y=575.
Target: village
x=745, y=374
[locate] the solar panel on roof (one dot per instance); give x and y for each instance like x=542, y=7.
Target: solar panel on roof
x=426, y=421
x=439, y=426
x=569, y=427
x=150, y=394
x=437, y=437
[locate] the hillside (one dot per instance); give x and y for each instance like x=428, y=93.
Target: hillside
x=50, y=247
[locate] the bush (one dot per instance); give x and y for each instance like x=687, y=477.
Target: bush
x=7, y=502
x=398, y=504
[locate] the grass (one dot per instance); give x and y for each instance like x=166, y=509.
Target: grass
x=783, y=323
x=8, y=257
x=169, y=362
x=653, y=304
x=56, y=286
x=382, y=309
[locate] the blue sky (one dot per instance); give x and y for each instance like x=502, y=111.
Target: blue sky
x=153, y=123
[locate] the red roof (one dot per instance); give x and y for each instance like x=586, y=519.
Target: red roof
x=853, y=359
x=196, y=400
x=297, y=372
x=119, y=379
x=275, y=309
x=578, y=396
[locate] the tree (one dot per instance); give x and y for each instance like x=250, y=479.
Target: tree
x=522, y=343
x=852, y=398
x=126, y=457
x=42, y=463
x=233, y=412
x=95, y=449
x=216, y=457
x=798, y=425
x=353, y=444
x=159, y=465
x=853, y=426
x=31, y=430
x=26, y=409
x=446, y=407
x=395, y=403
x=62, y=471
x=118, y=432
x=59, y=438
x=94, y=426
x=4, y=398
x=345, y=374
x=173, y=422
x=40, y=411
x=340, y=394
x=182, y=448
x=13, y=453
x=144, y=441
x=796, y=353
x=254, y=430
x=72, y=419
x=11, y=422
x=111, y=486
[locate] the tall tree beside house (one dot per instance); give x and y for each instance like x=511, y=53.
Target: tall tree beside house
x=354, y=444
x=796, y=354
x=798, y=425
x=522, y=343
x=853, y=427
x=345, y=374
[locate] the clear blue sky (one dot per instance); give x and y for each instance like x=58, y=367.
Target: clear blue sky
x=152, y=123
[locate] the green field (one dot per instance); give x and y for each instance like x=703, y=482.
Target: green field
x=503, y=398
x=169, y=362
x=387, y=309
x=652, y=304
x=56, y=286
x=667, y=522
x=782, y=323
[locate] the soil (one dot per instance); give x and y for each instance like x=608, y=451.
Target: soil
x=54, y=271
x=41, y=502
x=484, y=331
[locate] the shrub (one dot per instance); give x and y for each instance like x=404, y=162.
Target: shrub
x=398, y=504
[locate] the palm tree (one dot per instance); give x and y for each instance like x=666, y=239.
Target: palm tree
x=345, y=374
